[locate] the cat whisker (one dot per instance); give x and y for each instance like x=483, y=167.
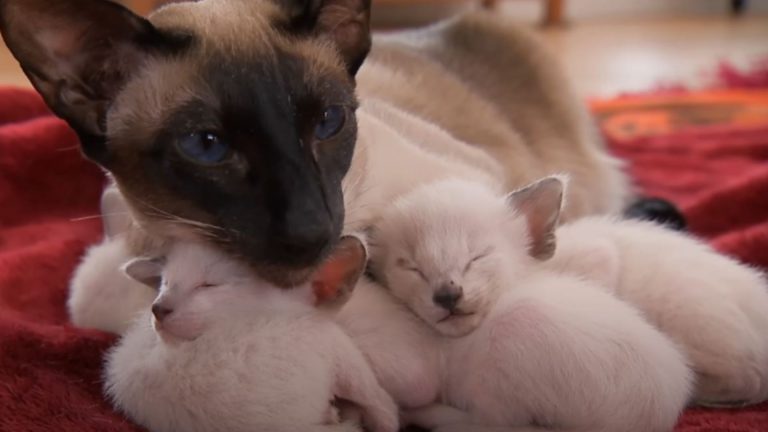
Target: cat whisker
x=162, y=214
x=98, y=216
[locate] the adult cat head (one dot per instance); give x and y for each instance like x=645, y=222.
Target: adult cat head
x=231, y=121
x=448, y=248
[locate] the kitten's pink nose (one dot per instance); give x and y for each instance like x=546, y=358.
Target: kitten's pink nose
x=160, y=311
x=448, y=297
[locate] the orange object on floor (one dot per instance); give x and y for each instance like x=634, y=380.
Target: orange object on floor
x=630, y=117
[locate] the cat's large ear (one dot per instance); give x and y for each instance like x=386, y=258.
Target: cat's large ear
x=147, y=271
x=78, y=54
x=335, y=280
x=540, y=204
x=347, y=23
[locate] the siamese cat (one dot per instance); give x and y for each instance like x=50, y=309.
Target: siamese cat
x=713, y=308
x=474, y=333
x=222, y=350
x=259, y=127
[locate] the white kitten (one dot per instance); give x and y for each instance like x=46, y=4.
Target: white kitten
x=231, y=353
x=100, y=295
x=712, y=306
x=534, y=348
x=405, y=354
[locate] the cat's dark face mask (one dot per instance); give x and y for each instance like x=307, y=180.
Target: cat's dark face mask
x=231, y=121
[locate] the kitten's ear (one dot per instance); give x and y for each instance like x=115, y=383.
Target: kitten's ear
x=78, y=54
x=335, y=280
x=347, y=23
x=114, y=212
x=540, y=203
x=147, y=271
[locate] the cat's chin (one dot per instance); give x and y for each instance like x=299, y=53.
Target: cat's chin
x=458, y=325
x=170, y=335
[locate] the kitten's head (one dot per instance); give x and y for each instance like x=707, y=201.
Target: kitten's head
x=448, y=248
x=227, y=121
x=199, y=287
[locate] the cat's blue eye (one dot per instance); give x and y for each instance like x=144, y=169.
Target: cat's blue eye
x=330, y=123
x=205, y=148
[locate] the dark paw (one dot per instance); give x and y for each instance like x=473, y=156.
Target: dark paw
x=657, y=210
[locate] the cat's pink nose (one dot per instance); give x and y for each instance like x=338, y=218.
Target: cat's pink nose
x=160, y=312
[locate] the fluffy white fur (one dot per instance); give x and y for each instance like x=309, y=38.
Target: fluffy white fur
x=101, y=296
x=525, y=348
x=714, y=307
x=231, y=354
x=405, y=355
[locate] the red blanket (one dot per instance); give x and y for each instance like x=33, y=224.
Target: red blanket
x=50, y=371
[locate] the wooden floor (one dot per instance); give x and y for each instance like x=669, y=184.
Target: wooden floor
x=610, y=57
x=604, y=58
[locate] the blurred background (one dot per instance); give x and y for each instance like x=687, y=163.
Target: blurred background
x=607, y=47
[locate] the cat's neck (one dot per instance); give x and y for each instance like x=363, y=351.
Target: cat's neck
x=396, y=152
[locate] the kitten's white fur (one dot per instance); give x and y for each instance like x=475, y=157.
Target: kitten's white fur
x=714, y=307
x=534, y=348
x=559, y=353
x=405, y=354
x=100, y=295
x=238, y=355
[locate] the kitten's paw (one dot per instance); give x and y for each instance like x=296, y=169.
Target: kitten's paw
x=334, y=413
x=380, y=420
x=346, y=412
x=721, y=404
x=480, y=428
x=736, y=388
x=454, y=428
x=433, y=416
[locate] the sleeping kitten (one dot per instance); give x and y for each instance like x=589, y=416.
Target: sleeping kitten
x=523, y=348
x=100, y=295
x=405, y=354
x=222, y=351
x=711, y=305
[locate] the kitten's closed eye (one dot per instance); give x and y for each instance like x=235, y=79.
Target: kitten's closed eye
x=478, y=257
x=408, y=266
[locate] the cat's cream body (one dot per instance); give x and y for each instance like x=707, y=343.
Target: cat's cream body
x=496, y=89
x=712, y=306
x=399, y=153
x=526, y=346
x=230, y=353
